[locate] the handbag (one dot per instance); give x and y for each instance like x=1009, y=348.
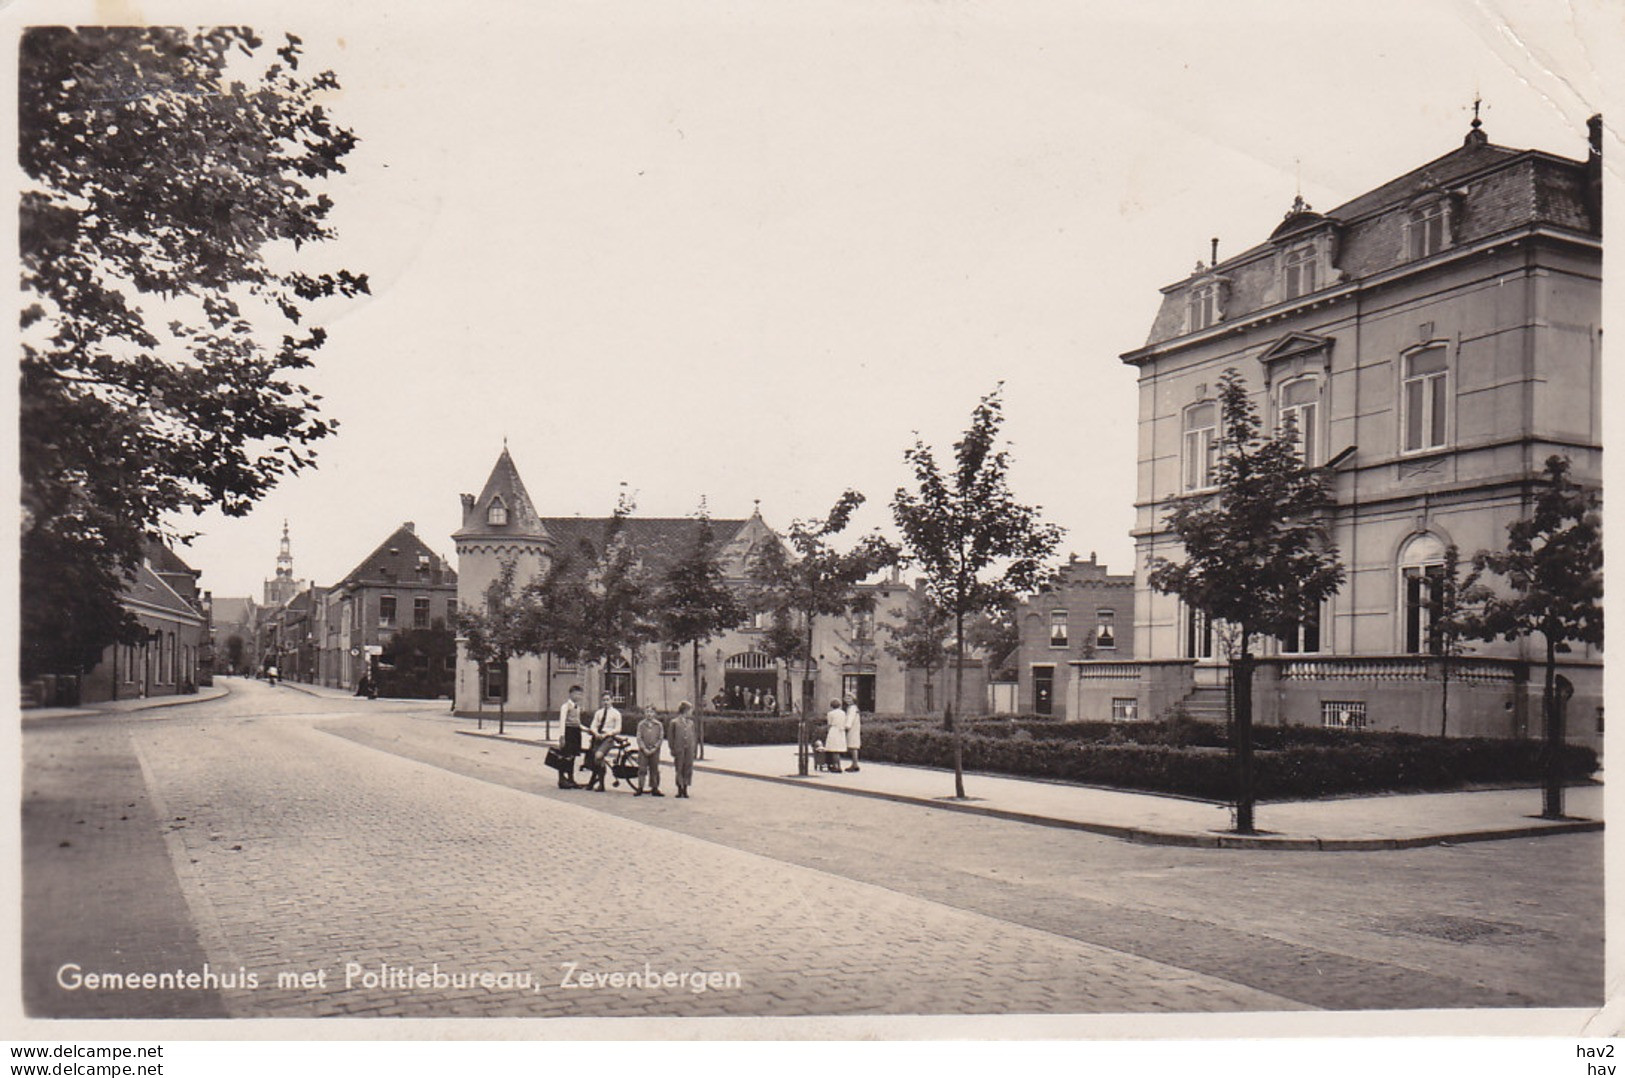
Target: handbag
x=557, y=760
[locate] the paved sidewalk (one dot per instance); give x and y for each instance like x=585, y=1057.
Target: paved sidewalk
x=1391, y=821
x=207, y=692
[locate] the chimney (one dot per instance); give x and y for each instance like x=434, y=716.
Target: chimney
x=1594, y=170
x=468, y=506
x=1214, y=260
x=409, y=526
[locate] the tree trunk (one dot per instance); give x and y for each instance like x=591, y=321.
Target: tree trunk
x=956, y=718
x=1241, y=675
x=1444, y=694
x=547, y=699
x=502, y=699
x=699, y=706
x=1554, y=736
x=804, y=727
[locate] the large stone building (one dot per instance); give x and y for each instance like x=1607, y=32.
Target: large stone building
x=1436, y=339
x=501, y=523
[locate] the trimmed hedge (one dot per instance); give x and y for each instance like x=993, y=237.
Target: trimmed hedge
x=750, y=730
x=1356, y=765
x=1189, y=758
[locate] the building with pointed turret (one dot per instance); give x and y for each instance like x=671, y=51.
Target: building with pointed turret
x=502, y=523
x=1436, y=340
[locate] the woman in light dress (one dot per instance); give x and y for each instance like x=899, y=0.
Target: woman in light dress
x=835, y=737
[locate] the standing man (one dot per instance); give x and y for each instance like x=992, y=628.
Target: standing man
x=683, y=739
x=606, y=726
x=854, y=730
x=570, y=746
x=650, y=735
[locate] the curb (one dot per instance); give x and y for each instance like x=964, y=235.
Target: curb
x=1142, y=836
x=32, y=714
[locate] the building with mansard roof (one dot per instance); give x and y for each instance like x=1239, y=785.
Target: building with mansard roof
x=1436, y=339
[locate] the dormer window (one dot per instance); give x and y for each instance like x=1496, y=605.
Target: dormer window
x=1428, y=226
x=1298, y=271
x=1204, y=306
x=497, y=514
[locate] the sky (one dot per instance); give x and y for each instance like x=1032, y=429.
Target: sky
x=752, y=250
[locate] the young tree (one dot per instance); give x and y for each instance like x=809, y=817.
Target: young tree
x=620, y=614
x=695, y=603
x=496, y=632
x=1258, y=553
x=1451, y=616
x=1553, y=564
x=809, y=580
x=923, y=641
x=557, y=619
x=150, y=383
x=977, y=545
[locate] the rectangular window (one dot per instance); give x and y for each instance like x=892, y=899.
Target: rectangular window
x=1198, y=635
x=1300, y=272
x=1204, y=307
x=1125, y=709
x=386, y=612
x=1342, y=714
x=863, y=625
x=1426, y=399
x=1305, y=639
x=451, y=612
x=1427, y=230
x=1105, y=633
x=1422, y=585
x=1057, y=629
x=420, y=612
x=671, y=661
x=1201, y=446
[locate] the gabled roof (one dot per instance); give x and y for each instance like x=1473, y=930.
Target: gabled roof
x=233, y=611
x=147, y=589
x=504, y=484
x=395, y=562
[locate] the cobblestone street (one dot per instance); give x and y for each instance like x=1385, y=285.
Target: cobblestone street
x=374, y=860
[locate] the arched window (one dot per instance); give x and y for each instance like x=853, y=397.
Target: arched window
x=1201, y=445
x=1426, y=398
x=1421, y=575
x=1300, y=399
x=497, y=513
x=1298, y=271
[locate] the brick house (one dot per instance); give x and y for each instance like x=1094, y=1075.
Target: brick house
x=402, y=584
x=1085, y=614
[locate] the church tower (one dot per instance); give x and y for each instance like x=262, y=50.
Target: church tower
x=283, y=586
x=499, y=525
